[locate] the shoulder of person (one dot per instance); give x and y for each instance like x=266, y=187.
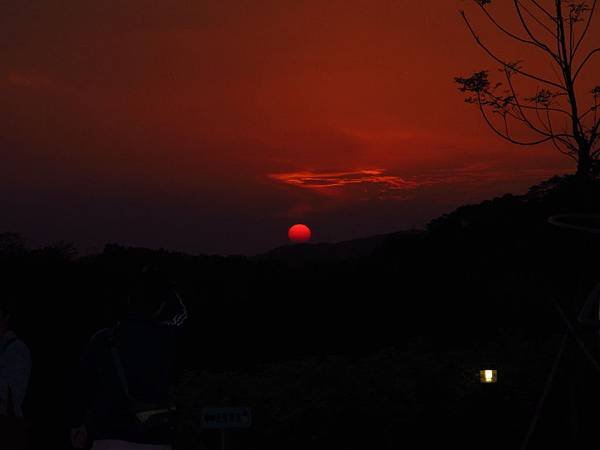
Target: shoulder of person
x=16, y=345
x=18, y=352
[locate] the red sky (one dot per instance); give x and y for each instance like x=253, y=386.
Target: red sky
x=211, y=126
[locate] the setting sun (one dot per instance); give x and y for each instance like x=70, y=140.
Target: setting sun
x=299, y=233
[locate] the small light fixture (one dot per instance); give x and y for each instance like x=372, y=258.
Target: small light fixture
x=488, y=376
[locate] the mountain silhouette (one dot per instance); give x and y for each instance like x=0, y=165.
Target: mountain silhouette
x=299, y=254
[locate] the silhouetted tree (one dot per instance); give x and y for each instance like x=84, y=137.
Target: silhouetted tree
x=58, y=251
x=554, y=113
x=12, y=244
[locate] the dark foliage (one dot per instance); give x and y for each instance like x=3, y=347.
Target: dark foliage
x=373, y=349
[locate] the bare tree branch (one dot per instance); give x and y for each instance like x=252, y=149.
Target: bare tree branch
x=594, y=134
x=596, y=153
x=578, y=132
x=591, y=109
x=504, y=108
x=518, y=104
x=555, y=139
x=529, y=107
x=562, y=45
x=585, y=61
x=571, y=44
x=563, y=151
x=506, y=136
x=544, y=10
x=547, y=125
x=504, y=63
x=571, y=148
x=586, y=29
x=539, y=22
x=517, y=4
x=518, y=38
x=558, y=39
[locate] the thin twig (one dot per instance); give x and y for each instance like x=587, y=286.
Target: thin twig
x=541, y=8
x=534, y=17
x=518, y=38
x=587, y=27
x=585, y=61
x=504, y=63
x=506, y=137
x=528, y=30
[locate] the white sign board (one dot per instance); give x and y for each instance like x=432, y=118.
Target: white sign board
x=224, y=418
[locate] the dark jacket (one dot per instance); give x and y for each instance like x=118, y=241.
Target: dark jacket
x=147, y=350
x=15, y=369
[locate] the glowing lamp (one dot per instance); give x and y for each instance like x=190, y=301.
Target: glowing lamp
x=488, y=376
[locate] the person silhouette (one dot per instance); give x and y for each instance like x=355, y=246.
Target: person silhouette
x=15, y=370
x=125, y=373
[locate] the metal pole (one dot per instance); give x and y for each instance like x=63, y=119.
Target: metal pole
x=222, y=438
x=547, y=386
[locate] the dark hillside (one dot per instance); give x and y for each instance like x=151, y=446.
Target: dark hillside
x=300, y=333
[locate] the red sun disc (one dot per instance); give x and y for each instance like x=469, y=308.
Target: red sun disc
x=299, y=233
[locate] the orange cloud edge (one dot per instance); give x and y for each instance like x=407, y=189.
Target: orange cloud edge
x=331, y=180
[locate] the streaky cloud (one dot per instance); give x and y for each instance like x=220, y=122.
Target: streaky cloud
x=332, y=180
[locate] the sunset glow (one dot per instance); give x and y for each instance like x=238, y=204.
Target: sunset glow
x=192, y=125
